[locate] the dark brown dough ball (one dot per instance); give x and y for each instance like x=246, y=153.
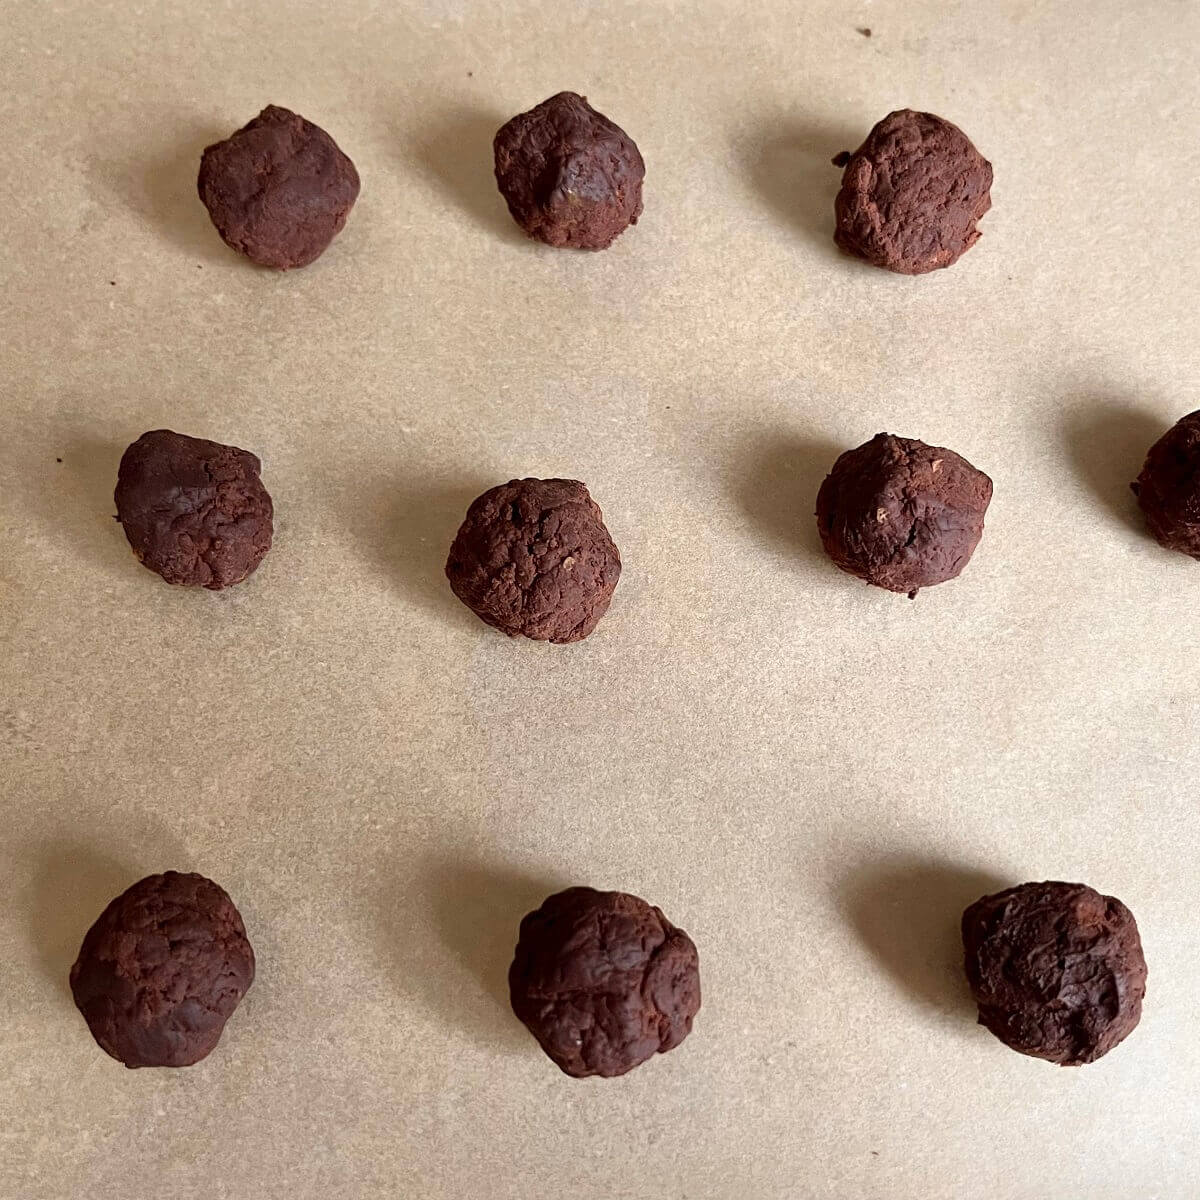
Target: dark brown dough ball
x=900, y=514
x=278, y=190
x=533, y=558
x=603, y=981
x=570, y=176
x=1056, y=969
x=911, y=194
x=194, y=511
x=1168, y=489
x=162, y=970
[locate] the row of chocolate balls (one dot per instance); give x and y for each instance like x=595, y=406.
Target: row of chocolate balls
x=533, y=556
x=603, y=980
x=280, y=188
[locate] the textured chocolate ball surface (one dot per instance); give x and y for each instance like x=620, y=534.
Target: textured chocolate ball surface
x=533, y=558
x=1168, y=489
x=1056, y=969
x=194, y=511
x=569, y=175
x=900, y=514
x=278, y=190
x=603, y=981
x=912, y=194
x=161, y=971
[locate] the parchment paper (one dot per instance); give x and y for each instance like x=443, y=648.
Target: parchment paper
x=809, y=776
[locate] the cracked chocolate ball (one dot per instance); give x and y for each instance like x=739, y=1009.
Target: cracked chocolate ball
x=1168, y=489
x=603, y=981
x=911, y=194
x=161, y=971
x=569, y=175
x=278, y=190
x=194, y=511
x=533, y=558
x=900, y=514
x=1056, y=969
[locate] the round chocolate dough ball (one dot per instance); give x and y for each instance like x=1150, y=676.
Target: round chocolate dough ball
x=911, y=194
x=278, y=190
x=603, y=981
x=162, y=970
x=1168, y=489
x=194, y=511
x=570, y=176
x=533, y=558
x=900, y=514
x=1056, y=969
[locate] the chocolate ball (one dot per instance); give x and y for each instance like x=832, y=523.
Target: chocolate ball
x=1168, y=489
x=1056, y=969
x=900, y=514
x=533, y=558
x=161, y=971
x=569, y=175
x=194, y=511
x=603, y=981
x=911, y=194
x=278, y=190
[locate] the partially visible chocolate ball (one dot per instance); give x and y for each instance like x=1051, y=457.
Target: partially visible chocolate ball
x=534, y=558
x=900, y=514
x=278, y=190
x=161, y=971
x=1056, y=969
x=569, y=175
x=603, y=981
x=194, y=511
x=1168, y=489
x=912, y=194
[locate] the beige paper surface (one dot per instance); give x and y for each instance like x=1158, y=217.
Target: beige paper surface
x=809, y=776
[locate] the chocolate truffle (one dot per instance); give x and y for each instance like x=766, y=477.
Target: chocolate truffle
x=911, y=194
x=162, y=970
x=900, y=514
x=603, y=981
x=278, y=190
x=533, y=558
x=1056, y=969
x=194, y=511
x=1168, y=489
x=570, y=176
